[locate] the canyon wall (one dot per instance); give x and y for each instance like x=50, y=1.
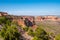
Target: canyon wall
x=20, y=19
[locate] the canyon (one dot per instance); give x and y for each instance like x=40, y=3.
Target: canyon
x=32, y=19
x=48, y=23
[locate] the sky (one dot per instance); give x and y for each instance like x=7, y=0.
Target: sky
x=30, y=7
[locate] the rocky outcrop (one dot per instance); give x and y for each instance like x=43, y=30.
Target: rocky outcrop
x=21, y=20
x=43, y=18
x=3, y=13
x=51, y=18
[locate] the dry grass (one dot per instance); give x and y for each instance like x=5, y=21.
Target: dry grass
x=50, y=26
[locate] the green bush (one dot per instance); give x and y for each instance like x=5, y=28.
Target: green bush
x=4, y=20
x=10, y=33
x=57, y=37
x=36, y=38
x=31, y=32
x=26, y=29
x=38, y=34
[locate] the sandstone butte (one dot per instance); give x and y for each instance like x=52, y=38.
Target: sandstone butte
x=20, y=19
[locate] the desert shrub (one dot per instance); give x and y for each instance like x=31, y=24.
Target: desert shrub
x=36, y=38
x=31, y=32
x=9, y=30
x=26, y=29
x=4, y=20
x=38, y=34
x=57, y=37
x=10, y=33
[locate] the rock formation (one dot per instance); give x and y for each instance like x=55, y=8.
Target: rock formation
x=3, y=13
x=31, y=20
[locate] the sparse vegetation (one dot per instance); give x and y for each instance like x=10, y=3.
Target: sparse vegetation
x=31, y=32
x=9, y=31
x=57, y=37
x=26, y=28
x=38, y=34
x=43, y=31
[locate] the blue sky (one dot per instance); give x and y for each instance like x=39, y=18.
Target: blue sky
x=30, y=7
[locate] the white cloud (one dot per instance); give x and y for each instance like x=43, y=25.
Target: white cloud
x=34, y=12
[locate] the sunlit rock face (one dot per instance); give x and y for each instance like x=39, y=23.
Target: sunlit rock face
x=21, y=22
x=51, y=18
x=38, y=18
x=3, y=13
x=31, y=20
x=58, y=19
x=26, y=21
x=46, y=18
